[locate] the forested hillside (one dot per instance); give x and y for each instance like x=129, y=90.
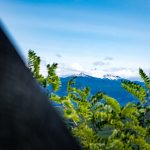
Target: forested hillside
x=112, y=88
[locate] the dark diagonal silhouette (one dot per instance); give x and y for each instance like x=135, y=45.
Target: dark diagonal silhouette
x=26, y=122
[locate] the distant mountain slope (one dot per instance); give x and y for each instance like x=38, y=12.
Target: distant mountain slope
x=110, y=86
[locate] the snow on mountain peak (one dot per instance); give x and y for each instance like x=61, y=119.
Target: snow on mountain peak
x=106, y=76
x=81, y=74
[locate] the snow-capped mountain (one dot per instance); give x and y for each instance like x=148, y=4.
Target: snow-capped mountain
x=109, y=84
x=82, y=75
x=76, y=75
x=106, y=76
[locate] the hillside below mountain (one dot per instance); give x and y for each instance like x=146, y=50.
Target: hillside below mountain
x=109, y=84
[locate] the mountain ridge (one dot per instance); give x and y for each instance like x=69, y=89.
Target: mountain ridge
x=111, y=87
x=106, y=76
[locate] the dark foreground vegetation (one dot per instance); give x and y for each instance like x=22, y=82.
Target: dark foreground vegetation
x=100, y=122
x=26, y=122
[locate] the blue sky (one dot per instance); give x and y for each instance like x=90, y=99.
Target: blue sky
x=92, y=36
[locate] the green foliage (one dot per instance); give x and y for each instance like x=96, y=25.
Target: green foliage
x=145, y=78
x=34, y=63
x=51, y=78
x=136, y=89
x=98, y=121
x=88, y=138
x=142, y=93
x=102, y=113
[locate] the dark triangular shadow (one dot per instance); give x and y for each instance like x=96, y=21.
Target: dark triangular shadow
x=26, y=122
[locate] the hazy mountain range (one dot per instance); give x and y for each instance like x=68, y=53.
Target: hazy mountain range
x=109, y=84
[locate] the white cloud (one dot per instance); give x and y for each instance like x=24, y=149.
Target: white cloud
x=97, y=73
x=108, y=58
x=77, y=67
x=65, y=69
x=43, y=69
x=127, y=73
x=105, y=61
x=58, y=55
x=99, y=63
